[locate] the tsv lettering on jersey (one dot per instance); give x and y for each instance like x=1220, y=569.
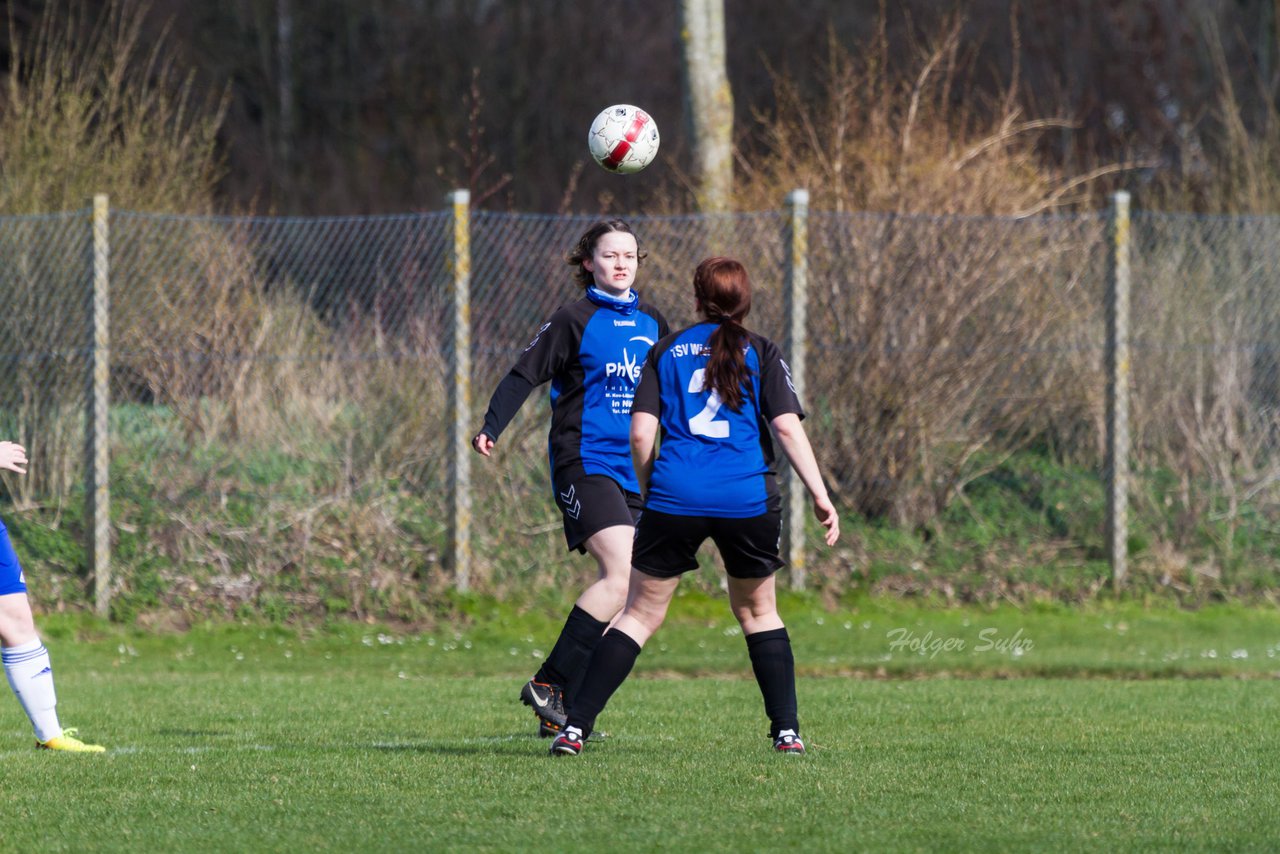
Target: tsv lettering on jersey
x=679, y=351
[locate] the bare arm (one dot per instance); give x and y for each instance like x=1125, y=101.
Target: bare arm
x=795, y=444
x=644, y=430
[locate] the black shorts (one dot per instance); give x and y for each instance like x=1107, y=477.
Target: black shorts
x=667, y=545
x=592, y=503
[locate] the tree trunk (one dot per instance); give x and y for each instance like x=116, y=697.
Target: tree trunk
x=284, y=79
x=708, y=101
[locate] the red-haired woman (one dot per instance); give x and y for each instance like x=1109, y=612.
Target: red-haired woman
x=715, y=389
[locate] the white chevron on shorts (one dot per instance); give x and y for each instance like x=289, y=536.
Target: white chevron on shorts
x=572, y=506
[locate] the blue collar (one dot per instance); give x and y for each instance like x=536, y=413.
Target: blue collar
x=625, y=306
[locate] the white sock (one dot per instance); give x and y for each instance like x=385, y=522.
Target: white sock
x=31, y=678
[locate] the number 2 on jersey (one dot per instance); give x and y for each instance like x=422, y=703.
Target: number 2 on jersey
x=703, y=424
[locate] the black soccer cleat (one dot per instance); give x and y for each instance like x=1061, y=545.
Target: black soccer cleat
x=547, y=702
x=567, y=743
x=788, y=742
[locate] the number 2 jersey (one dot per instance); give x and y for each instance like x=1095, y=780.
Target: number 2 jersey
x=713, y=461
x=591, y=351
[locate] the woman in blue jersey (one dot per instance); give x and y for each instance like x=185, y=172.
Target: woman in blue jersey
x=26, y=661
x=714, y=389
x=590, y=351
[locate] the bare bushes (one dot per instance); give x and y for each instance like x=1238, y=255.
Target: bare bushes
x=42, y=345
x=942, y=343
x=951, y=320
x=901, y=135
x=290, y=422
x=86, y=108
x=220, y=327
x=89, y=108
x=1207, y=375
x=1206, y=323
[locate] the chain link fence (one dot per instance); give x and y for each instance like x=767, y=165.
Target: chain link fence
x=1206, y=350
x=281, y=436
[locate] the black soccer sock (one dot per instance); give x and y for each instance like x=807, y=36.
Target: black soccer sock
x=612, y=662
x=775, y=669
x=568, y=659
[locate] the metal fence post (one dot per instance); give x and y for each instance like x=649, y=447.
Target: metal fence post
x=460, y=393
x=99, y=437
x=797, y=308
x=1118, y=368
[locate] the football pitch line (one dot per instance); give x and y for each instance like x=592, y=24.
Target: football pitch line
x=336, y=747
x=133, y=750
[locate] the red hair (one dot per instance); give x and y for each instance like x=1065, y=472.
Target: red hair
x=723, y=291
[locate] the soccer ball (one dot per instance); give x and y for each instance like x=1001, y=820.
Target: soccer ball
x=623, y=139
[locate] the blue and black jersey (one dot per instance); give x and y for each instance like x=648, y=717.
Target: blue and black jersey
x=713, y=461
x=591, y=352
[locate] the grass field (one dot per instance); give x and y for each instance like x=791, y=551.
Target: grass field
x=242, y=738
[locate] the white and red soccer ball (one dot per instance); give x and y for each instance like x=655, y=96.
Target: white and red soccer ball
x=623, y=139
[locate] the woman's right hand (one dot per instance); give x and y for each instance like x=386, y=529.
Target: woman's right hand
x=13, y=457
x=482, y=444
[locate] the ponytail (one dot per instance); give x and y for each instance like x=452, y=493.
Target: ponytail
x=726, y=370
x=723, y=291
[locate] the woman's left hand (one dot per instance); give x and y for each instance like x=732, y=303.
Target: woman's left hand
x=13, y=457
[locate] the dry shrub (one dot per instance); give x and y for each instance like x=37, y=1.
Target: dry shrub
x=1206, y=405
x=901, y=137
x=243, y=358
x=958, y=320
x=85, y=108
x=398, y=390
x=89, y=108
x=308, y=463
x=1229, y=158
x=335, y=555
x=42, y=365
x=190, y=318
x=954, y=346
x=1207, y=391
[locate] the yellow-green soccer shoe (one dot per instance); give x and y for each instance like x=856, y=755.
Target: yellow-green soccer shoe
x=69, y=743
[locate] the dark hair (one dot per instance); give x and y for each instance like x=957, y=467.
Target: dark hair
x=587, y=245
x=723, y=291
